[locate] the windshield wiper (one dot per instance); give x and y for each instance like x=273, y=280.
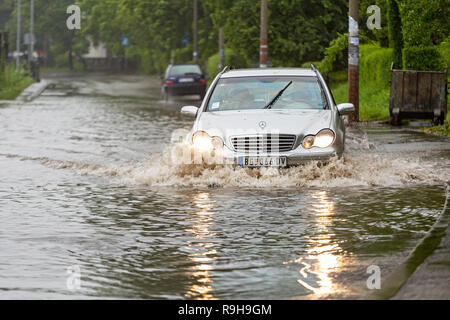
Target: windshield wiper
x=275, y=99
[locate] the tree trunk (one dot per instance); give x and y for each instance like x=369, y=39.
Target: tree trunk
x=46, y=50
x=70, y=58
x=221, y=49
x=195, y=53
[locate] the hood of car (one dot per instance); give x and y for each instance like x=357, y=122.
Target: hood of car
x=264, y=121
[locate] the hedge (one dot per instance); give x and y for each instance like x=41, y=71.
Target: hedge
x=444, y=50
x=375, y=65
x=425, y=22
x=423, y=58
x=395, y=32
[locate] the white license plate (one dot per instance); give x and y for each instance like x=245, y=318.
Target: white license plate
x=186, y=80
x=262, y=161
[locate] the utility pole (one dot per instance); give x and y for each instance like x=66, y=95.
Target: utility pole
x=353, y=59
x=263, y=42
x=221, y=49
x=18, y=36
x=31, y=45
x=195, y=53
x=1, y=52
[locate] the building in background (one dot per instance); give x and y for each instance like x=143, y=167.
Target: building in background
x=99, y=58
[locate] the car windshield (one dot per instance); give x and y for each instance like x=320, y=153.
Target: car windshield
x=184, y=69
x=257, y=92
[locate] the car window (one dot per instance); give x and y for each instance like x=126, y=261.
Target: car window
x=166, y=75
x=256, y=92
x=184, y=69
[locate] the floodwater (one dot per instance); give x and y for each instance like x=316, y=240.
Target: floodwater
x=93, y=205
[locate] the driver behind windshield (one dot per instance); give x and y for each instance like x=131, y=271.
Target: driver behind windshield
x=237, y=99
x=256, y=93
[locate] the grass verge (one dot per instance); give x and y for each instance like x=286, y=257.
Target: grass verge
x=443, y=130
x=373, y=102
x=374, y=86
x=13, y=82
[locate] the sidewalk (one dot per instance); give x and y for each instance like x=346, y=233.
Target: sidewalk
x=425, y=274
x=431, y=280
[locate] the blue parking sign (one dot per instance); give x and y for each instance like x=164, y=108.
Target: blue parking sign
x=125, y=42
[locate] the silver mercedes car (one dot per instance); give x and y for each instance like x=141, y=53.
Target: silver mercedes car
x=271, y=117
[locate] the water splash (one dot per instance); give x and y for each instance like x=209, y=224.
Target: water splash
x=353, y=169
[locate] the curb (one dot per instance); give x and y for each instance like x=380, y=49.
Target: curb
x=33, y=91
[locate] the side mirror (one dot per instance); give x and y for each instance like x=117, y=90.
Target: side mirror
x=190, y=110
x=346, y=109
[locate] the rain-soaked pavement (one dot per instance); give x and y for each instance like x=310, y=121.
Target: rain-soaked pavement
x=88, y=189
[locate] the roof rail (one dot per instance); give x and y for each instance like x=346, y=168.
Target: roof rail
x=225, y=69
x=313, y=68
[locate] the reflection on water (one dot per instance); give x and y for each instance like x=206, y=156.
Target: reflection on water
x=321, y=260
x=202, y=252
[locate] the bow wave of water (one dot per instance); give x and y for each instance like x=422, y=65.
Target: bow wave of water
x=353, y=169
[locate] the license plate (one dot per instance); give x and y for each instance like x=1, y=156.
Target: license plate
x=262, y=161
x=186, y=80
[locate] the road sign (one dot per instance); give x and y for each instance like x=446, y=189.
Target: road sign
x=186, y=39
x=125, y=42
x=29, y=38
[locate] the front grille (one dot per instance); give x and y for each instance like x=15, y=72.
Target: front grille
x=270, y=143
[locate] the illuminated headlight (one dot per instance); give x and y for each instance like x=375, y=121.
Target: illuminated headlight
x=323, y=139
x=204, y=142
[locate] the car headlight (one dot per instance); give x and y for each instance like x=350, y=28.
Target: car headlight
x=323, y=139
x=308, y=142
x=204, y=142
x=217, y=143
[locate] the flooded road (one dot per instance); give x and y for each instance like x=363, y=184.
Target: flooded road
x=89, y=192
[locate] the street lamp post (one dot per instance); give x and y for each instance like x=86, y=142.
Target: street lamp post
x=195, y=53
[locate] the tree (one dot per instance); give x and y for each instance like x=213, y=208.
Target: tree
x=380, y=35
x=425, y=22
x=299, y=30
x=6, y=8
x=50, y=28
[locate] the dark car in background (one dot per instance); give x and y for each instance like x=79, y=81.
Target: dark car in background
x=183, y=79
